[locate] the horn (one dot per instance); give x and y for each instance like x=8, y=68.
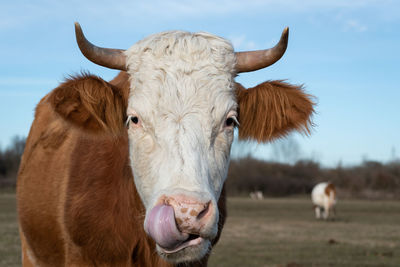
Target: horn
x=106, y=57
x=255, y=60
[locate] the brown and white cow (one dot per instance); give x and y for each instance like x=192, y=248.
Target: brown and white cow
x=324, y=199
x=131, y=172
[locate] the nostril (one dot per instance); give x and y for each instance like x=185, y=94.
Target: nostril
x=204, y=211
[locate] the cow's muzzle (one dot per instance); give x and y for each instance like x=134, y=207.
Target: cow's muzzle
x=178, y=222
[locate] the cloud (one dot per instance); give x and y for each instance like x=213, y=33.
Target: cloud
x=355, y=25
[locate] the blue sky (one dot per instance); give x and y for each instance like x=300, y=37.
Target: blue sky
x=346, y=53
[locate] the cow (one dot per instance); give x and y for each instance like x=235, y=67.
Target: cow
x=131, y=172
x=256, y=195
x=324, y=199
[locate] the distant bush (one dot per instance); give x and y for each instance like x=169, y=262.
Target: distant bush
x=10, y=159
x=273, y=179
x=369, y=180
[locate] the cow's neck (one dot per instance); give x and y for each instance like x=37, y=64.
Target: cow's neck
x=105, y=204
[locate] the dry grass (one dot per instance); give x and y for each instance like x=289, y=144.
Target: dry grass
x=278, y=232
x=9, y=240
x=283, y=232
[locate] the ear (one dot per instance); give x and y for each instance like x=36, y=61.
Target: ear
x=272, y=109
x=91, y=104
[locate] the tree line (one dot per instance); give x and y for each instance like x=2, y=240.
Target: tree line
x=370, y=179
x=10, y=158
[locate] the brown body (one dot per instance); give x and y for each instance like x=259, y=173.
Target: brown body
x=77, y=202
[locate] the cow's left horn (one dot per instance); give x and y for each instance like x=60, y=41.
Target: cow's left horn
x=107, y=57
x=255, y=60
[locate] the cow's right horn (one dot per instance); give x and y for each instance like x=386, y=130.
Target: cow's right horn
x=255, y=60
x=106, y=57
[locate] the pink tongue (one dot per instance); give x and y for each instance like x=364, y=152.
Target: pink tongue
x=160, y=225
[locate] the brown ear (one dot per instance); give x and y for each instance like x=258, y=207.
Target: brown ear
x=273, y=109
x=90, y=103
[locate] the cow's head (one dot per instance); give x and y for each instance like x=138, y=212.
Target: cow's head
x=181, y=111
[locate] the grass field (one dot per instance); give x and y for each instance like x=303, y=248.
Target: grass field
x=10, y=252
x=278, y=232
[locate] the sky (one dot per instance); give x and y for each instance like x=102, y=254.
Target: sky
x=345, y=53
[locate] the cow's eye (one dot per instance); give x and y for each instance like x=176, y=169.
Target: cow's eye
x=135, y=119
x=231, y=122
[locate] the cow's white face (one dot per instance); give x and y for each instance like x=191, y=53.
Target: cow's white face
x=182, y=107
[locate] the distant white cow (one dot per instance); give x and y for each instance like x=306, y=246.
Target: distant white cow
x=323, y=196
x=257, y=195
